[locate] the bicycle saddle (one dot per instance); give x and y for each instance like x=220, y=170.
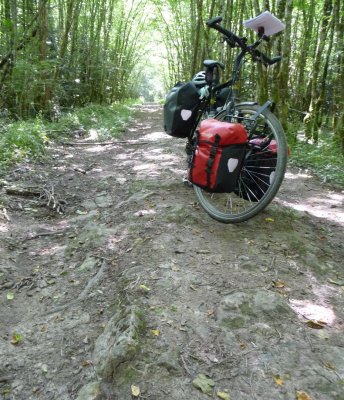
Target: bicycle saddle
x=213, y=63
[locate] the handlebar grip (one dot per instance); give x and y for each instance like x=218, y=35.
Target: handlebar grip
x=213, y=21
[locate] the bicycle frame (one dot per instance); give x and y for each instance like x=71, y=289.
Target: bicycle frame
x=263, y=166
x=230, y=104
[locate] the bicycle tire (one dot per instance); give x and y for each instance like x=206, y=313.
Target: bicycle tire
x=245, y=203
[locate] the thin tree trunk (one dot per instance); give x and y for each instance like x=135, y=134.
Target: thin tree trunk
x=311, y=129
x=338, y=109
x=284, y=69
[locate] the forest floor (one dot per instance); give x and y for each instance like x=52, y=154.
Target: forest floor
x=134, y=292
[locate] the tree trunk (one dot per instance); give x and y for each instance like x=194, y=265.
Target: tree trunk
x=338, y=109
x=284, y=69
x=311, y=129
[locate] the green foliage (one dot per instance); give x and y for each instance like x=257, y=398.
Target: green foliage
x=75, y=53
x=28, y=139
x=324, y=159
x=111, y=120
x=21, y=139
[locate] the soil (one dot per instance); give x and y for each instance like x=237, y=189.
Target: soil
x=114, y=284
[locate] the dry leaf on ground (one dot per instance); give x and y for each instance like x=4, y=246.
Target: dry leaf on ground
x=135, y=391
x=315, y=324
x=278, y=380
x=223, y=395
x=300, y=395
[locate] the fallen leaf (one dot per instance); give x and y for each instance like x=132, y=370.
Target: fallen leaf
x=278, y=284
x=30, y=209
x=329, y=365
x=339, y=283
x=44, y=368
x=16, y=338
x=204, y=384
x=155, y=332
x=269, y=220
x=300, y=395
x=86, y=363
x=278, y=380
x=135, y=391
x=144, y=288
x=79, y=212
x=223, y=395
x=315, y=324
x=10, y=296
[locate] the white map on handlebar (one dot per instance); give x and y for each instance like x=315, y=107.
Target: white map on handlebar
x=269, y=22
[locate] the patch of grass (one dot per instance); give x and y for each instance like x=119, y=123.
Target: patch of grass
x=139, y=186
x=22, y=139
x=103, y=122
x=324, y=159
x=28, y=139
x=108, y=121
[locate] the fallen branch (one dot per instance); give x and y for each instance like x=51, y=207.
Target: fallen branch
x=112, y=143
x=84, y=171
x=42, y=234
x=21, y=191
x=3, y=213
x=43, y=193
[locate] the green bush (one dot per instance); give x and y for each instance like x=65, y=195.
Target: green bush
x=21, y=139
x=29, y=138
x=323, y=159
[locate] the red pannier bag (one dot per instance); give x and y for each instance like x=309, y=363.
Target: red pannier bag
x=218, y=155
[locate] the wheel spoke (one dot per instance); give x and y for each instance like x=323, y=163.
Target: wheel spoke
x=261, y=174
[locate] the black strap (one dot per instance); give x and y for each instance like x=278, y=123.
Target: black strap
x=193, y=146
x=211, y=158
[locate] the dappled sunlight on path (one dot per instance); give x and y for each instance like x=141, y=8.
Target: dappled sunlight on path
x=135, y=281
x=301, y=193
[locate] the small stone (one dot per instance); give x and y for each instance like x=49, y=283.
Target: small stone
x=169, y=360
x=90, y=392
x=119, y=342
x=204, y=383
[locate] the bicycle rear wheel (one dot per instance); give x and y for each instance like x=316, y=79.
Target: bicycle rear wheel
x=262, y=172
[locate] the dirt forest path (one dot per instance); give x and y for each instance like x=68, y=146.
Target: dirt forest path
x=134, y=292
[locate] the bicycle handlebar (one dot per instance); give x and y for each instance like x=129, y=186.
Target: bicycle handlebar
x=214, y=23
x=233, y=39
x=265, y=59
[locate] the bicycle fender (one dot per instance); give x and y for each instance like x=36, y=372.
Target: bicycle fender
x=272, y=105
x=246, y=103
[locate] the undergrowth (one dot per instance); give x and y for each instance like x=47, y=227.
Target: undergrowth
x=323, y=159
x=28, y=139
